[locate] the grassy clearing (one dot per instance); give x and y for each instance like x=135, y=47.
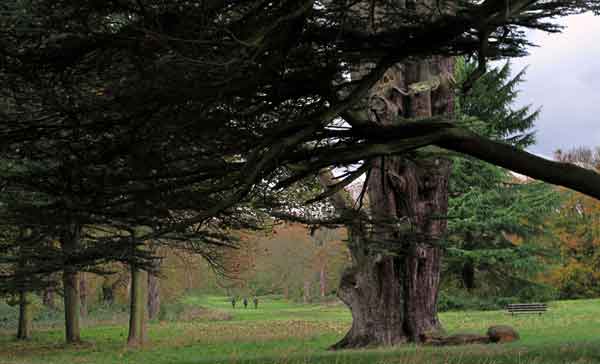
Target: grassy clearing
x=282, y=332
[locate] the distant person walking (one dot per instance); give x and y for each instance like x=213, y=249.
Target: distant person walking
x=233, y=302
x=255, y=300
x=245, y=302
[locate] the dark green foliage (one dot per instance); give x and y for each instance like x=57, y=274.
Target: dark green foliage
x=44, y=316
x=455, y=299
x=458, y=300
x=9, y=314
x=494, y=215
x=489, y=107
x=123, y=121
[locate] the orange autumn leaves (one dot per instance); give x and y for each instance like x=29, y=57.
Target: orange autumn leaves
x=576, y=232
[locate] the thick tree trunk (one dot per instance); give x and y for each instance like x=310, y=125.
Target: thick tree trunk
x=137, y=314
x=393, y=297
x=374, y=293
x=70, y=242
x=427, y=209
x=83, y=299
x=153, y=296
x=25, y=317
x=422, y=288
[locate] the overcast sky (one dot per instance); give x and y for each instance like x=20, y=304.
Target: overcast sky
x=563, y=79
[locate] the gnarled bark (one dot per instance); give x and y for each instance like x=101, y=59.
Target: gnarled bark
x=393, y=286
x=374, y=293
x=393, y=294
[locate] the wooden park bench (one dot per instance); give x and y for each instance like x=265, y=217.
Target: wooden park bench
x=517, y=308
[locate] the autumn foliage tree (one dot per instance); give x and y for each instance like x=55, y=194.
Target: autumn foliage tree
x=576, y=229
x=290, y=260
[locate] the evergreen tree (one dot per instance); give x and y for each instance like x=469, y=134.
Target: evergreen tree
x=494, y=216
x=172, y=115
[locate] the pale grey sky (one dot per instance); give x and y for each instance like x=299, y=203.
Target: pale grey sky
x=563, y=79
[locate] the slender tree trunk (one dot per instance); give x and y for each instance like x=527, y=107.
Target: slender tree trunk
x=468, y=275
x=48, y=297
x=25, y=314
x=393, y=298
x=153, y=296
x=189, y=279
x=71, y=302
x=137, y=314
x=154, y=288
x=323, y=280
x=70, y=244
x=25, y=317
x=108, y=294
x=306, y=297
x=83, y=299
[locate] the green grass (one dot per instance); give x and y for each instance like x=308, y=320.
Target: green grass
x=271, y=309
x=283, y=332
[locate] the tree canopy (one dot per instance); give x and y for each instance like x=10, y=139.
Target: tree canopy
x=183, y=116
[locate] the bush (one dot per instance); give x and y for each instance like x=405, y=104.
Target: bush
x=49, y=316
x=459, y=301
x=9, y=315
x=9, y=312
x=171, y=311
x=502, y=302
x=538, y=293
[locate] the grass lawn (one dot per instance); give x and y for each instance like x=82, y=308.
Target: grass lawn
x=282, y=332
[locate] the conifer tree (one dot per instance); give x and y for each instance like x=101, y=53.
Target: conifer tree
x=493, y=214
x=218, y=97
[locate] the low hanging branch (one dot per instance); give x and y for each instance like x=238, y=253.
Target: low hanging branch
x=449, y=136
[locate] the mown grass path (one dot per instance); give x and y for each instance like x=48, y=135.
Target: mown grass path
x=281, y=332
